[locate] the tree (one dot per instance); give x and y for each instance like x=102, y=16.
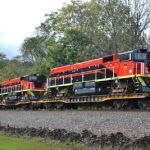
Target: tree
x=14, y=68
x=83, y=31
x=3, y=60
x=140, y=20
x=33, y=48
x=2, y=56
x=72, y=45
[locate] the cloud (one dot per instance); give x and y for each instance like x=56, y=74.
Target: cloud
x=8, y=46
x=9, y=50
x=19, y=19
x=1, y=34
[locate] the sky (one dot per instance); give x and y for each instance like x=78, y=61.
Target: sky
x=18, y=20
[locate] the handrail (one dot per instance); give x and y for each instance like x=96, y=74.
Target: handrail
x=10, y=89
x=85, y=72
x=82, y=73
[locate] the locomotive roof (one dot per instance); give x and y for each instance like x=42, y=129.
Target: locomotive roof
x=14, y=80
x=136, y=51
x=79, y=65
x=90, y=62
x=10, y=81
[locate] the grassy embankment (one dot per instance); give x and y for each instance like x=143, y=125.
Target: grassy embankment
x=23, y=143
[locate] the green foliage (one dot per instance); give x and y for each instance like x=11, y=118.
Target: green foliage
x=2, y=56
x=83, y=31
x=3, y=60
x=72, y=45
x=13, y=68
x=33, y=48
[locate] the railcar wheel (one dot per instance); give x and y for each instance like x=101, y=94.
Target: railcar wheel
x=119, y=104
x=25, y=106
x=116, y=105
x=122, y=105
x=47, y=106
x=32, y=107
x=72, y=106
x=2, y=107
x=58, y=105
x=143, y=104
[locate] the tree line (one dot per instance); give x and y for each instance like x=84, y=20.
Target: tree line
x=81, y=31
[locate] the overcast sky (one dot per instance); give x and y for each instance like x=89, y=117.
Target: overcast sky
x=18, y=19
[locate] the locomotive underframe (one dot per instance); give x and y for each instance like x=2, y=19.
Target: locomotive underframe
x=22, y=95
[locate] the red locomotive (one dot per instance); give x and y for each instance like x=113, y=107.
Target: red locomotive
x=121, y=73
x=30, y=87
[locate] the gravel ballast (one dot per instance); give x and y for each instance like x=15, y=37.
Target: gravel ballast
x=134, y=124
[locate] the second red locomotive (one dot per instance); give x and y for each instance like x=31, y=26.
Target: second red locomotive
x=127, y=72
x=30, y=87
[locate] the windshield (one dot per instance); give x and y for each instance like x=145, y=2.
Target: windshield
x=32, y=78
x=125, y=57
x=139, y=56
x=35, y=78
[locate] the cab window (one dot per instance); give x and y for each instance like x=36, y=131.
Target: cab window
x=125, y=57
x=139, y=56
x=108, y=58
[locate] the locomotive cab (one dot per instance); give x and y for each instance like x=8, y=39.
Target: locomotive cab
x=143, y=56
x=37, y=79
x=26, y=88
x=35, y=83
x=140, y=59
x=139, y=55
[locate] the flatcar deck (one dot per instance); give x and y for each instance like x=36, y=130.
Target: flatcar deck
x=81, y=99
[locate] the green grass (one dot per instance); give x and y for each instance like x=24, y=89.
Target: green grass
x=22, y=143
